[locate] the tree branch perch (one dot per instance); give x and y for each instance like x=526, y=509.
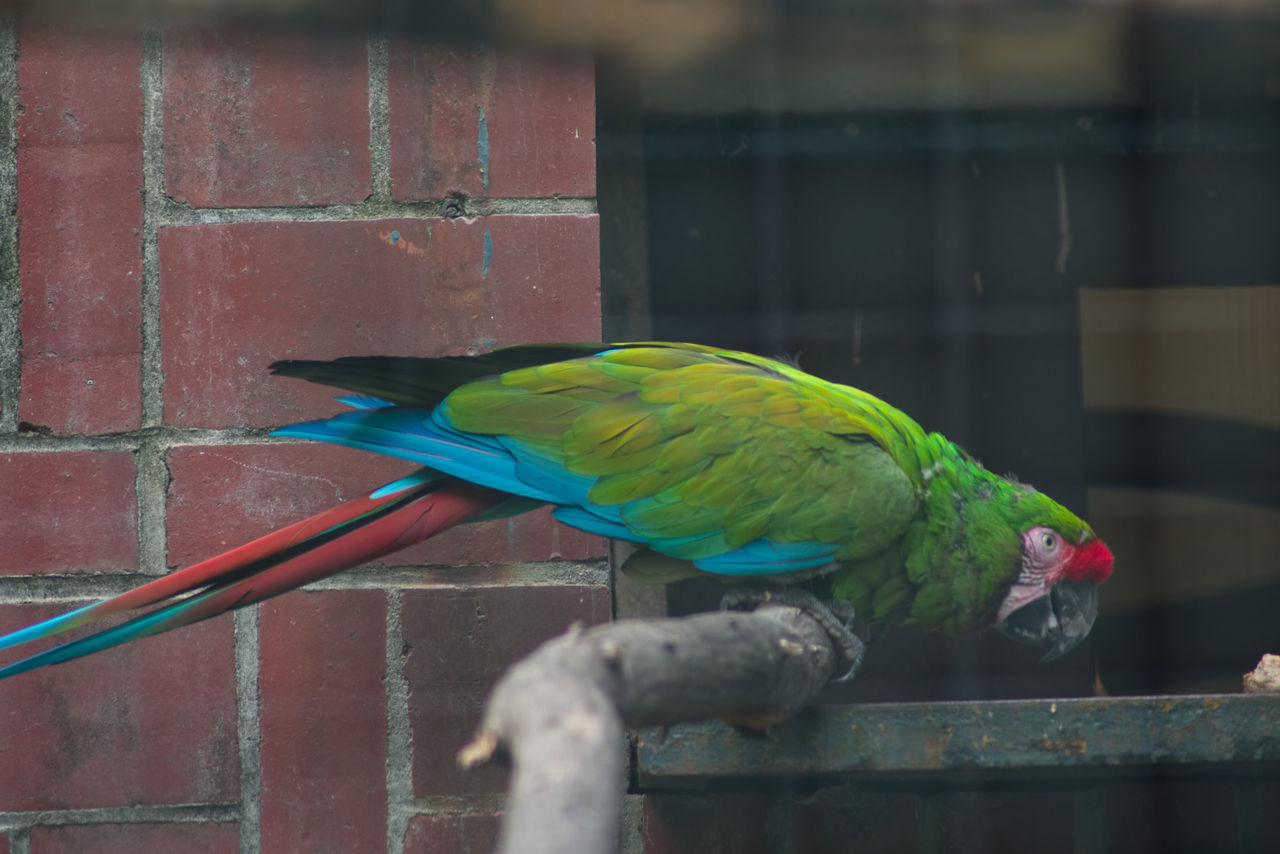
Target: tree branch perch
x=561, y=713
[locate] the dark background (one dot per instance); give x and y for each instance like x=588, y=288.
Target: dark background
x=916, y=250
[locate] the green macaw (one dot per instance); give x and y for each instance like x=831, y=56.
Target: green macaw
x=736, y=464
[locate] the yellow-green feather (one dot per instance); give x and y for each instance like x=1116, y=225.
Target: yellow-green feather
x=674, y=420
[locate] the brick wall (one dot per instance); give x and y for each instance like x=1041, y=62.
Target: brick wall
x=180, y=208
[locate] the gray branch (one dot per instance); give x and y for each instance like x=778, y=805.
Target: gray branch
x=560, y=713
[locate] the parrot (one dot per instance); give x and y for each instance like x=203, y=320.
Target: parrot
x=731, y=464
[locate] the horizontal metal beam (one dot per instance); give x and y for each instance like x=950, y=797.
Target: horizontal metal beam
x=859, y=741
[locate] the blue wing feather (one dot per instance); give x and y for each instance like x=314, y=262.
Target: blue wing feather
x=428, y=438
x=593, y=523
x=363, y=401
x=414, y=434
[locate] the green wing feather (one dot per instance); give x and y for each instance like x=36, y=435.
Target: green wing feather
x=717, y=447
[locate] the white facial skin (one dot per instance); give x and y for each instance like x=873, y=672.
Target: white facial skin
x=1045, y=554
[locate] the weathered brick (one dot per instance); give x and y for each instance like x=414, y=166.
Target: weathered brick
x=451, y=833
x=70, y=511
x=724, y=824
x=80, y=209
x=236, y=297
x=136, y=839
x=489, y=123
x=324, y=722
x=534, y=536
x=265, y=118
x=457, y=643
x=82, y=394
x=78, y=88
x=223, y=496
x=150, y=722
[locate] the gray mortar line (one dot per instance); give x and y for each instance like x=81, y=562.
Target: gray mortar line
x=399, y=732
x=457, y=805
x=10, y=292
x=176, y=214
x=217, y=813
x=152, y=75
x=66, y=588
x=179, y=437
x=525, y=574
x=534, y=207
x=249, y=727
x=151, y=485
x=161, y=438
x=20, y=841
x=30, y=443
x=379, y=119
x=152, y=480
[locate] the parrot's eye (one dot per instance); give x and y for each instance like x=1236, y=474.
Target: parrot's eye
x=1048, y=542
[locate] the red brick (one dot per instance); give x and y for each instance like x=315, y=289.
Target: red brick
x=451, y=834
x=457, y=643
x=4, y=845
x=538, y=123
x=324, y=722
x=223, y=496
x=259, y=118
x=70, y=511
x=80, y=208
x=78, y=88
x=150, y=722
x=136, y=839
x=534, y=536
x=83, y=394
x=236, y=297
x=727, y=824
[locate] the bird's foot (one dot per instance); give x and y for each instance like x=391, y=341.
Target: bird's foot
x=836, y=618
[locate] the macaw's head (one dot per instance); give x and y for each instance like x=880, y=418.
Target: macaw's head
x=1054, y=598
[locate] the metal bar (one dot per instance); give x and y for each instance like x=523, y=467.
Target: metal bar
x=1007, y=735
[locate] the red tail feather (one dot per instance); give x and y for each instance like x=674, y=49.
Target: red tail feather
x=329, y=542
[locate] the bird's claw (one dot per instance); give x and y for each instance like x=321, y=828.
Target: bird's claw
x=835, y=617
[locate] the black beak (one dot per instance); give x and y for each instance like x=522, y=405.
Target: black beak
x=1062, y=618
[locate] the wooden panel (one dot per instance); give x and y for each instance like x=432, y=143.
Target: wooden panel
x=1173, y=547
x=1198, y=350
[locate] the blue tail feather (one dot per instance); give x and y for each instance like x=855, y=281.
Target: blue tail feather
x=139, y=627
x=42, y=629
x=428, y=439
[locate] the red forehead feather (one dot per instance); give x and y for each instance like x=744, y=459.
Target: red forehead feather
x=1090, y=562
